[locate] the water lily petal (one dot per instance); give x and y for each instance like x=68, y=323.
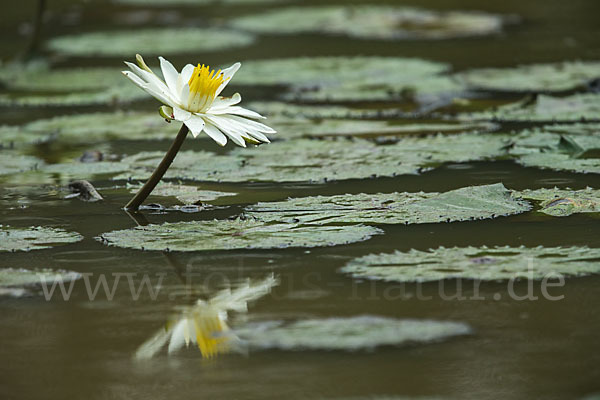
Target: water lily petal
x=195, y=123
x=227, y=76
x=181, y=115
x=215, y=134
x=224, y=102
x=170, y=74
x=228, y=129
x=237, y=110
x=178, y=336
x=254, y=125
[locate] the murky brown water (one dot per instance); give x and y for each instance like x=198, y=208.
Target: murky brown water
x=519, y=350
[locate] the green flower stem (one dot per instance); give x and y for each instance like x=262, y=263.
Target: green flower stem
x=158, y=173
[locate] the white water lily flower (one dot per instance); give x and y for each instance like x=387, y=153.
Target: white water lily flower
x=205, y=323
x=192, y=97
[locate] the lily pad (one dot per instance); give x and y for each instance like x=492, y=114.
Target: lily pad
x=15, y=282
x=564, y=202
x=559, y=152
x=348, y=334
x=34, y=238
x=234, y=235
x=11, y=163
x=481, y=263
x=316, y=160
x=475, y=202
x=372, y=22
x=194, y=3
x=538, y=78
x=64, y=87
x=316, y=73
x=545, y=108
x=158, y=41
x=186, y=194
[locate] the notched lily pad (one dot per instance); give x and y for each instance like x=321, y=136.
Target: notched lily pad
x=149, y=41
x=475, y=202
x=235, y=234
x=558, y=152
x=348, y=334
x=372, y=22
x=186, y=194
x=481, y=263
x=544, y=108
x=537, y=78
x=34, y=238
x=16, y=282
x=564, y=202
x=64, y=87
x=316, y=160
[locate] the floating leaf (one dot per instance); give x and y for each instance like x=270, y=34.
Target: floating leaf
x=11, y=163
x=184, y=193
x=34, y=238
x=158, y=41
x=63, y=87
x=352, y=78
x=372, y=22
x=193, y=3
x=533, y=78
x=482, y=263
x=559, y=152
x=545, y=108
x=315, y=160
x=475, y=202
x=15, y=282
x=564, y=202
x=292, y=121
x=233, y=235
x=349, y=334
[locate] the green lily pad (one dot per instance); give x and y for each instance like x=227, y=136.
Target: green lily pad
x=318, y=160
x=558, y=152
x=533, y=78
x=11, y=163
x=372, y=22
x=194, y=3
x=481, y=263
x=82, y=170
x=34, y=238
x=234, y=235
x=64, y=87
x=293, y=121
x=564, y=202
x=348, y=334
x=17, y=282
x=475, y=202
x=308, y=72
x=545, y=108
x=155, y=41
x=577, y=129
x=186, y=194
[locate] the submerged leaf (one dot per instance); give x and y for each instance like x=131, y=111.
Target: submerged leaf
x=34, y=238
x=149, y=41
x=481, y=263
x=564, y=202
x=372, y=22
x=350, y=334
x=234, y=234
x=533, y=78
x=476, y=202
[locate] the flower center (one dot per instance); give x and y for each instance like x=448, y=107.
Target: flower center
x=203, y=87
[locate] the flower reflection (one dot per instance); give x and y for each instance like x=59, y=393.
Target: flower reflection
x=205, y=323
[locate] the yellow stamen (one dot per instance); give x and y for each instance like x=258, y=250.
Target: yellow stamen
x=203, y=87
x=209, y=330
